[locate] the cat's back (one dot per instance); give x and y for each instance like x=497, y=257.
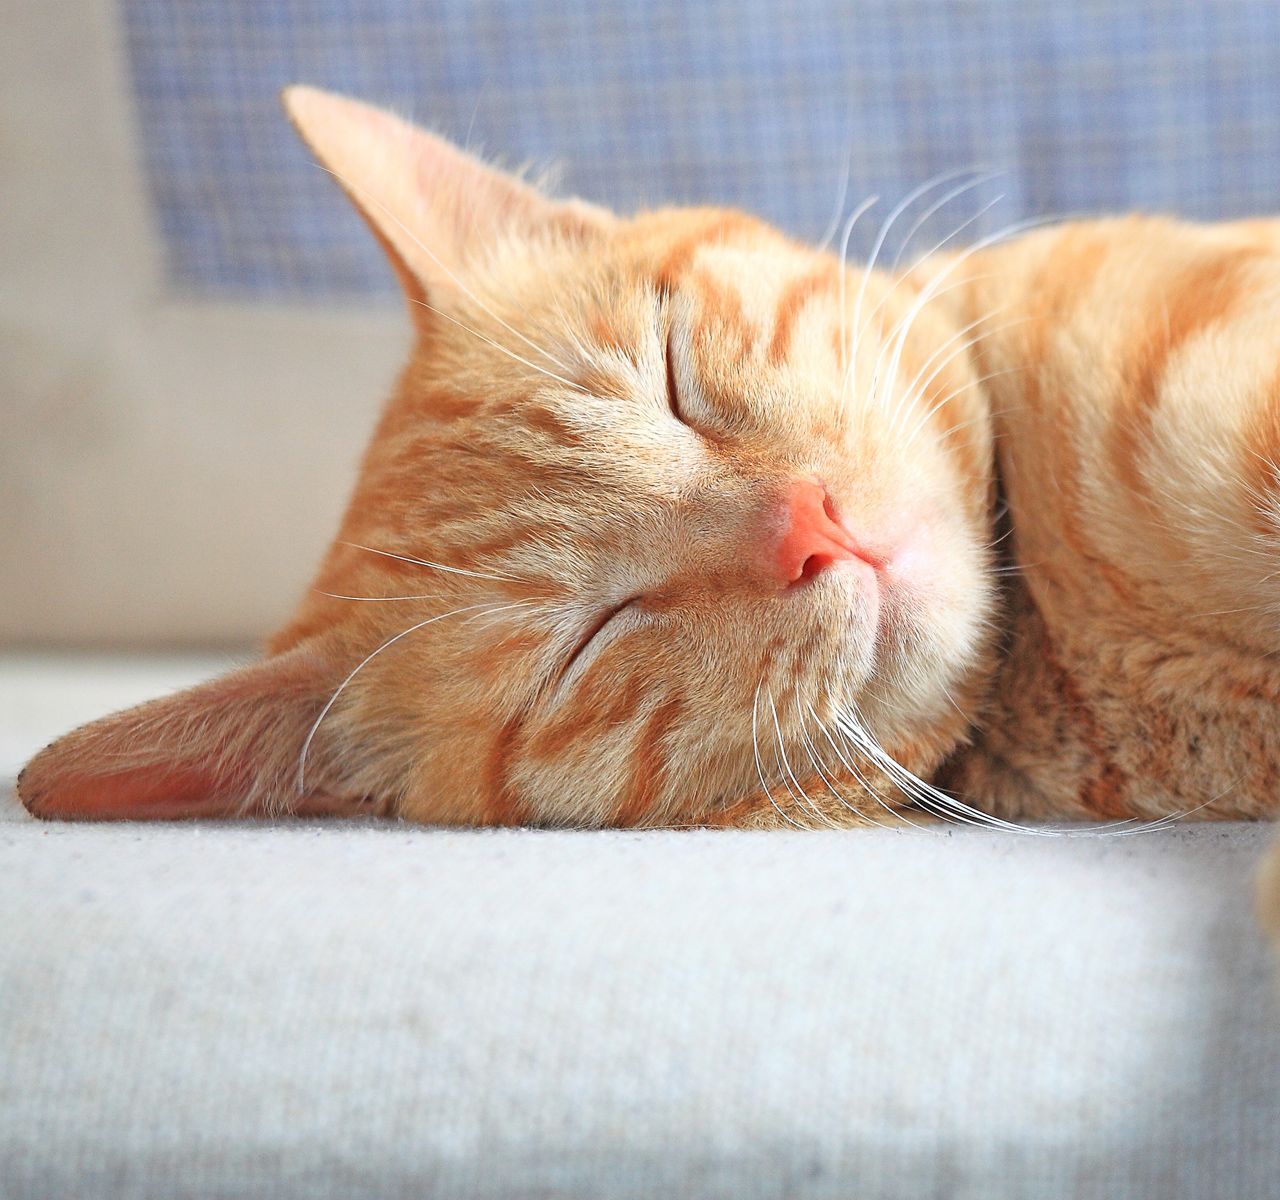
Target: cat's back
x=1134, y=373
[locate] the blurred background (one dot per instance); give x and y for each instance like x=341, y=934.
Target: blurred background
x=197, y=331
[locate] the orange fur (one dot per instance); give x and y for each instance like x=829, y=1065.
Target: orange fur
x=554, y=600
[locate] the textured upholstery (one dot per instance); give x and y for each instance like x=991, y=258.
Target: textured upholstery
x=189, y=355
x=759, y=103
x=328, y=1011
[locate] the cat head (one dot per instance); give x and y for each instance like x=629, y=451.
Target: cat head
x=662, y=512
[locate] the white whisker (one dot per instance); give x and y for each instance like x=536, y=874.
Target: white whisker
x=755, y=746
x=802, y=798
x=833, y=226
x=462, y=287
x=423, y=562
x=821, y=768
x=324, y=712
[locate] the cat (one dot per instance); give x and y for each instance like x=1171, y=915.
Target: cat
x=672, y=520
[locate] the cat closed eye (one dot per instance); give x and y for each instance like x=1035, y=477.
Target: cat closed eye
x=595, y=629
x=673, y=385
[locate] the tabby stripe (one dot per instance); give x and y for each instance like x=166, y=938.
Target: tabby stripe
x=792, y=304
x=504, y=807
x=1204, y=294
x=598, y=705
x=680, y=257
x=1062, y=283
x=648, y=766
x=722, y=306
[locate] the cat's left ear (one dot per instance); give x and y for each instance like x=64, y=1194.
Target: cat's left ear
x=230, y=747
x=433, y=207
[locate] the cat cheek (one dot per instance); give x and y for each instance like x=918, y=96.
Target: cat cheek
x=915, y=563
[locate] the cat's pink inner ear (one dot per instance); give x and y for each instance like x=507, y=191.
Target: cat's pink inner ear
x=225, y=748
x=432, y=206
x=164, y=792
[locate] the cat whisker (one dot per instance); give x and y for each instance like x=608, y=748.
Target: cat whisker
x=983, y=416
x=847, y=233
x=924, y=794
x=1016, y=568
x=462, y=287
x=340, y=596
x=980, y=176
x=887, y=226
x=905, y=322
x=875, y=391
x=364, y=662
x=898, y=340
x=964, y=347
x=923, y=420
x=930, y=290
x=837, y=211
x=820, y=766
x=435, y=566
x=893, y=270
x=755, y=747
x=921, y=389
x=800, y=796
x=1117, y=829
x=569, y=383
x=852, y=767
x=952, y=808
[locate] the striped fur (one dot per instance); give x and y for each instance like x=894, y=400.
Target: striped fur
x=549, y=599
x=1138, y=445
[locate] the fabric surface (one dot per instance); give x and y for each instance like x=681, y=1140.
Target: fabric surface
x=172, y=467
x=763, y=104
x=374, y=1010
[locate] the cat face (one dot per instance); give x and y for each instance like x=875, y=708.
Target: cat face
x=654, y=502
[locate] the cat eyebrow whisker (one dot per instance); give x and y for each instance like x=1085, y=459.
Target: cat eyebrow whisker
x=919, y=388
x=897, y=339
x=846, y=234
x=875, y=391
x=423, y=562
x=569, y=383
x=910, y=199
x=462, y=287
x=980, y=175
x=902, y=328
x=982, y=416
x=930, y=290
x=918, y=428
x=837, y=210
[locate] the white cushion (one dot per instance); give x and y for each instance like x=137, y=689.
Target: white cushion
x=377, y=1010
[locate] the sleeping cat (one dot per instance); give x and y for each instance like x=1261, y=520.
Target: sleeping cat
x=672, y=520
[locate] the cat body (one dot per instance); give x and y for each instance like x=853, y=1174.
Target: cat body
x=1136, y=397
x=672, y=520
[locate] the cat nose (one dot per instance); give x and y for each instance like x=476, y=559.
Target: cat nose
x=813, y=537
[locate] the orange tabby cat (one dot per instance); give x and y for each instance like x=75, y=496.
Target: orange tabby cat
x=672, y=520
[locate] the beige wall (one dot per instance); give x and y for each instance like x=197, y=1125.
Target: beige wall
x=169, y=470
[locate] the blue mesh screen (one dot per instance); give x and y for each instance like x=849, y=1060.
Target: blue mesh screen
x=762, y=104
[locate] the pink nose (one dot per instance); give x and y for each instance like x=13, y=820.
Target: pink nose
x=814, y=538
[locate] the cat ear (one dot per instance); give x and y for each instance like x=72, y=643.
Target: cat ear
x=430, y=205
x=226, y=748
